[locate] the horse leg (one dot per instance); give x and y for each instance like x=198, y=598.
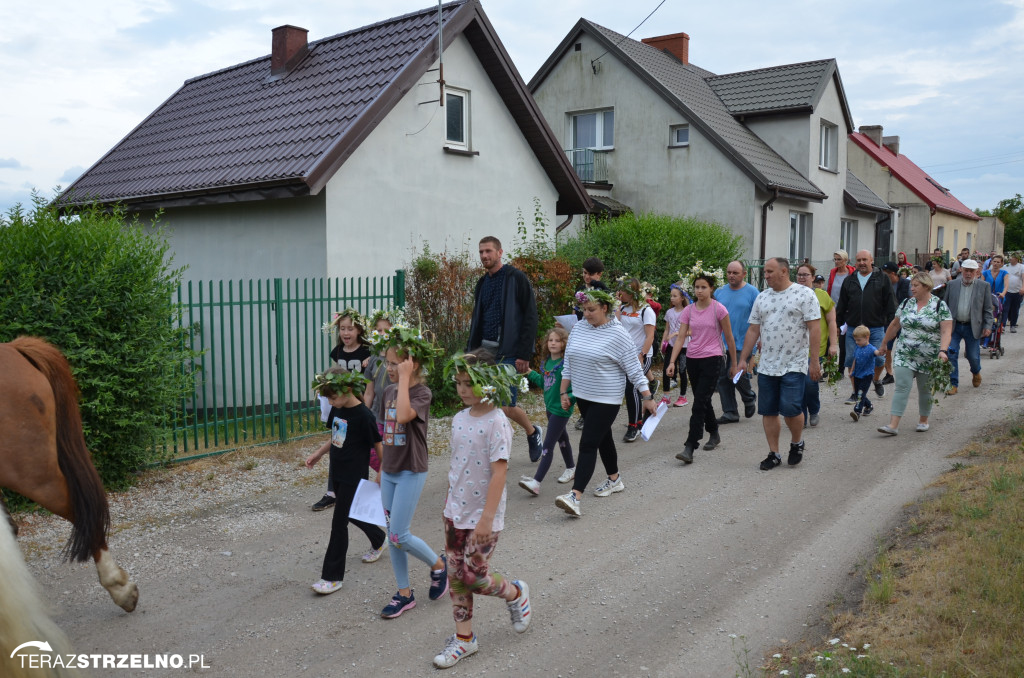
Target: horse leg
x=122, y=590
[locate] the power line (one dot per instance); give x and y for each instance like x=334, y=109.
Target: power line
x=962, y=162
x=631, y=32
x=992, y=164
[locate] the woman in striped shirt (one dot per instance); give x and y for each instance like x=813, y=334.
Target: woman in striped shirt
x=599, y=357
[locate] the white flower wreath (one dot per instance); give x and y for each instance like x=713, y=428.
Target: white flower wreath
x=698, y=270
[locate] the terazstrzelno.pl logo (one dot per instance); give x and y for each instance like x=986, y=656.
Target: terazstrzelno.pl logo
x=36, y=654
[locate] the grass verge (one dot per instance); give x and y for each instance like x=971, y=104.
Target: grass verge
x=944, y=594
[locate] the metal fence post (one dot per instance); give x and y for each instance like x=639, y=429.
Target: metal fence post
x=279, y=357
x=399, y=291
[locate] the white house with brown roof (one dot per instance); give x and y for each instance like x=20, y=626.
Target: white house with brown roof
x=759, y=151
x=336, y=157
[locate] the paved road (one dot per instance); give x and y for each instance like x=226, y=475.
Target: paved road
x=650, y=581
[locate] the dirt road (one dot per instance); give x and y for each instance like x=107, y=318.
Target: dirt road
x=649, y=582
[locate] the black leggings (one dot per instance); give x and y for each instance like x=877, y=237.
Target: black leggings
x=334, y=560
x=680, y=374
x=596, y=438
x=633, y=402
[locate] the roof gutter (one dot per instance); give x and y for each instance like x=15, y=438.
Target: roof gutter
x=764, y=219
x=561, y=226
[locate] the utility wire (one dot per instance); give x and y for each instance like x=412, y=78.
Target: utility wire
x=964, y=162
x=593, y=61
x=991, y=164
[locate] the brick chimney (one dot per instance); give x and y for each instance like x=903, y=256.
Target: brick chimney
x=288, y=47
x=873, y=132
x=676, y=44
x=892, y=143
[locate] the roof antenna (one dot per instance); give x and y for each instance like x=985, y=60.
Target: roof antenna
x=440, y=54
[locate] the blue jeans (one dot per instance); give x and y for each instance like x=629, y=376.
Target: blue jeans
x=400, y=492
x=780, y=395
x=812, y=394
x=877, y=334
x=972, y=351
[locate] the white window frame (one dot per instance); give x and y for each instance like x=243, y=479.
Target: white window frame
x=800, y=234
x=673, y=140
x=848, y=235
x=602, y=135
x=967, y=244
x=828, y=147
x=956, y=240
x=940, y=233
x=451, y=92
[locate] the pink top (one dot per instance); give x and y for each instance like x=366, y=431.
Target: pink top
x=705, y=329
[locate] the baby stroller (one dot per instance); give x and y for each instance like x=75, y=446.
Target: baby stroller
x=995, y=340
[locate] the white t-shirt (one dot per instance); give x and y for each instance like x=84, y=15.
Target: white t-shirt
x=1015, y=279
x=476, y=443
x=635, y=322
x=783, y=317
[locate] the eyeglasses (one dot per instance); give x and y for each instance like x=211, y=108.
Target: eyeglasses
x=803, y=275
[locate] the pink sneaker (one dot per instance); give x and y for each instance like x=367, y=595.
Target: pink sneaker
x=681, y=401
x=664, y=400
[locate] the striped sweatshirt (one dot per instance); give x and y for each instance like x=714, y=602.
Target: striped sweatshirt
x=598, y=360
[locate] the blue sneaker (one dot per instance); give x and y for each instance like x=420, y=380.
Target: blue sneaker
x=398, y=605
x=439, y=581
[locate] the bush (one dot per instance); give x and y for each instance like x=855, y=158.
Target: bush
x=652, y=247
x=98, y=287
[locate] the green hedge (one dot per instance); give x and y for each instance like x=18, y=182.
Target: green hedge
x=99, y=286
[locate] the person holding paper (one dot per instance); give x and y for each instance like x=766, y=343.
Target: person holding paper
x=707, y=321
x=353, y=434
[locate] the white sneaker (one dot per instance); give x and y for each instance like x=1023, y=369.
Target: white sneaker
x=921, y=428
x=454, y=650
x=569, y=503
x=530, y=485
x=609, y=486
x=373, y=555
x=324, y=587
x=568, y=475
x=519, y=608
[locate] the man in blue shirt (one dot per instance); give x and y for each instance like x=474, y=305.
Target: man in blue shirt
x=738, y=298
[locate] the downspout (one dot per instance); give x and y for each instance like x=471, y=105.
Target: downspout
x=764, y=219
x=568, y=220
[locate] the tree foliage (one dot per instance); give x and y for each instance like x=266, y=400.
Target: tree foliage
x=1011, y=212
x=99, y=286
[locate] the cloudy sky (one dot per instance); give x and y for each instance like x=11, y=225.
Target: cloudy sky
x=946, y=76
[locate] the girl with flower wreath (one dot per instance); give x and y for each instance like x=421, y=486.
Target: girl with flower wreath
x=353, y=435
x=599, y=358
x=404, y=459
x=350, y=352
x=550, y=380
x=638, y=318
x=376, y=372
x=707, y=322
x=679, y=300
x=474, y=509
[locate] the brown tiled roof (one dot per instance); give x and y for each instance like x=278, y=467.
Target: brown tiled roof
x=237, y=133
x=685, y=87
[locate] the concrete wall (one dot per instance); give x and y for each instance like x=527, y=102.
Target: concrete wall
x=400, y=188
x=990, y=232
x=646, y=174
x=269, y=238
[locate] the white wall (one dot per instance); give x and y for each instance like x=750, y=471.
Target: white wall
x=645, y=173
x=266, y=238
x=399, y=188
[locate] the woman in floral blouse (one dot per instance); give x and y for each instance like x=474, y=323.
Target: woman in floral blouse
x=927, y=326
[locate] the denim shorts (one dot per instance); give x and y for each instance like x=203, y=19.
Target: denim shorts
x=877, y=334
x=781, y=395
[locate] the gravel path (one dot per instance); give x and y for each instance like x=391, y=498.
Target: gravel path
x=650, y=581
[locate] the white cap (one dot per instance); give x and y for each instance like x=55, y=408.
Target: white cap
x=969, y=263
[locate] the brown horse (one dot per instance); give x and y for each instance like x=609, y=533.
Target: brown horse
x=43, y=455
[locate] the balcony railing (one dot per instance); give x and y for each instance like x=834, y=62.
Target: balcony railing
x=591, y=165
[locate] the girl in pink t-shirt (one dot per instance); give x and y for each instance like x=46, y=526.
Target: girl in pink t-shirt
x=677, y=297
x=707, y=321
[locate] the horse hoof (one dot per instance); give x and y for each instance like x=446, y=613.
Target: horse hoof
x=128, y=598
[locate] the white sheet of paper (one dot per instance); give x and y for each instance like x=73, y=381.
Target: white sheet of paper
x=652, y=422
x=366, y=505
x=325, y=409
x=736, y=379
x=567, y=321
x=842, y=329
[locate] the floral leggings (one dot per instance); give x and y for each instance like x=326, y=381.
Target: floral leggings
x=469, y=571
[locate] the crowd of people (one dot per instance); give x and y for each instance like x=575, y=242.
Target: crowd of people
x=879, y=326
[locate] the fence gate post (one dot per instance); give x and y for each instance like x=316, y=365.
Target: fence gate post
x=399, y=291
x=279, y=357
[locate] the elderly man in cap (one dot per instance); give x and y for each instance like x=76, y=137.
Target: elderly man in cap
x=970, y=301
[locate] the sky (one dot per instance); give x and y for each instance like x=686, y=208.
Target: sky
x=946, y=76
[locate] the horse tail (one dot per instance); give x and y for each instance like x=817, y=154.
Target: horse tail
x=23, y=615
x=91, y=513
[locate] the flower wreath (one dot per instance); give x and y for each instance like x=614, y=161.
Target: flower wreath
x=698, y=270
x=417, y=344
x=597, y=296
x=492, y=383
x=905, y=271
x=395, y=316
x=340, y=382
x=624, y=283
x=357, y=318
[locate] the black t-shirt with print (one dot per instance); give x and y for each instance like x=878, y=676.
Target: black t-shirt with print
x=353, y=433
x=351, y=360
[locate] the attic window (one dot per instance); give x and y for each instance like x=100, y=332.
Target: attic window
x=945, y=191
x=578, y=47
x=456, y=105
x=828, y=150
x=679, y=136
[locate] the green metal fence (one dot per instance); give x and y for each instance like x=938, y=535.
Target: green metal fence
x=259, y=342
